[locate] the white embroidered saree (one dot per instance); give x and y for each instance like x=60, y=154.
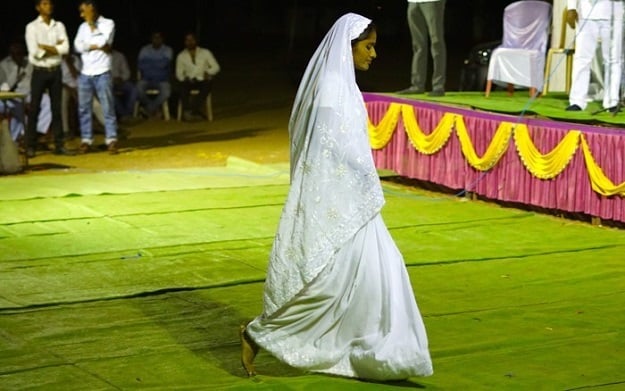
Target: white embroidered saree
x=337, y=296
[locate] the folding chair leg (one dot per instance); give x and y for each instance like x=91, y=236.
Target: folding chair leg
x=548, y=72
x=209, y=108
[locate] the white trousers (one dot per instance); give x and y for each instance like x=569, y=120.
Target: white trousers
x=590, y=33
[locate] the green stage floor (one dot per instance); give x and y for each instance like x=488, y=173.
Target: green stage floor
x=552, y=106
x=139, y=280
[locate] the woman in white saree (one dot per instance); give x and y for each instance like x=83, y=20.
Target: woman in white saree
x=337, y=296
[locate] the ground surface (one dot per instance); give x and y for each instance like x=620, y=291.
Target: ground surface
x=251, y=110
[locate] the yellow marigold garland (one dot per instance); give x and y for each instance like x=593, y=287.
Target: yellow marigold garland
x=427, y=144
x=599, y=182
x=543, y=166
x=495, y=150
x=381, y=134
x=551, y=164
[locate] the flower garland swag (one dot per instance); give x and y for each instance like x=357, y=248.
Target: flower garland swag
x=543, y=166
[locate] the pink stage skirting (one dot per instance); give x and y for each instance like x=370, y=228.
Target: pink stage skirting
x=509, y=180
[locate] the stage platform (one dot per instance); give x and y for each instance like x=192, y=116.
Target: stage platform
x=509, y=149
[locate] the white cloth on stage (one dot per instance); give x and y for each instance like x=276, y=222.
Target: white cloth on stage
x=337, y=296
x=520, y=59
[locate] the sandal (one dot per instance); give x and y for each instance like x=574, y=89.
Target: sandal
x=249, y=349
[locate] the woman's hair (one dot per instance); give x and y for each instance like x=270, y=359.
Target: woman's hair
x=370, y=28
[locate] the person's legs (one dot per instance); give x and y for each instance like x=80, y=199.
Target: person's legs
x=144, y=100
x=185, y=93
x=164, y=89
x=585, y=46
x=85, y=108
x=14, y=109
x=55, y=88
x=104, y=90
x=125, y=98
x=419, y=38
x=37, y=86
x=612, y=51
x=45, y=115
x=65, y=98
x=199, y=100
x=434, y=14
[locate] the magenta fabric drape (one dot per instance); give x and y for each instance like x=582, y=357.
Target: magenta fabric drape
x=509, y=180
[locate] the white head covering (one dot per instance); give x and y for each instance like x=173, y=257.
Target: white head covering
x=335, y=189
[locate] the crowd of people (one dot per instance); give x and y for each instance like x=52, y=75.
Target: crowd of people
x=67, y=84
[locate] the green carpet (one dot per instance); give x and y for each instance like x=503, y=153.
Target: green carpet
x=551, y=106
x=139, y=280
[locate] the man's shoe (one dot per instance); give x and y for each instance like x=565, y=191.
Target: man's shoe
x=63, y=151
x=30, y=152
x=112, y=148
x=84, y=148
x=612, y=109
x=573, y=108
x=436, y=93
x=411, y=90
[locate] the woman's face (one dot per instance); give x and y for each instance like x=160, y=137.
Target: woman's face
x=364, y=52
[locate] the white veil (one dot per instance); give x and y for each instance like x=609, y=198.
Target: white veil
x=335, y=189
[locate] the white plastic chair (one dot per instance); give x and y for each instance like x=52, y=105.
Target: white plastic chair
x=520, y=59
x=208, y=108
x=153, y=93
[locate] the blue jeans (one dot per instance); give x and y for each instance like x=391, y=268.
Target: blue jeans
x=102, y=87
x=152, y=104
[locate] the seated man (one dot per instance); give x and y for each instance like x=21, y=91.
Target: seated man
x=195, y=69
x=15, y=74
x=124, y=89
x=154, y=65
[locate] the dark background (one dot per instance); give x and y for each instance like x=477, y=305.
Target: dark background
x=286, y=30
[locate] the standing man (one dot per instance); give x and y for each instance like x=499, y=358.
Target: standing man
x=426, y=21
x=195, y=69
x=47, y=42
x=596, y=21
x=94, y=41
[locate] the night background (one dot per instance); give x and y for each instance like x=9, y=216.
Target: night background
x=286, y=30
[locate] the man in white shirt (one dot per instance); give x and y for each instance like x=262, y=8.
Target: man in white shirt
x=195, y=69
x=94, y=41
x=47, y=42
x=426, y=23
x=596, y=21
x=15, y=75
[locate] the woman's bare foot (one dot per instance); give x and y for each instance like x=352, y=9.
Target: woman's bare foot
x=249, y=349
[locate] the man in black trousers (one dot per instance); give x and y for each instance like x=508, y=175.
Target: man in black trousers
x=47, y=42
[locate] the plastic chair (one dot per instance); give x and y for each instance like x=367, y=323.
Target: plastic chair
x=152, y=93
x=520, y=59
x=560, y=49
x=208, y=109
x=165, y=105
